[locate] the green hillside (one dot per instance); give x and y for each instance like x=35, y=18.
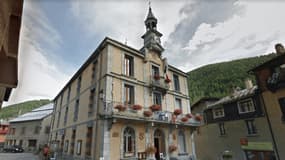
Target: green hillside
x=216, y=80
x=21, y=108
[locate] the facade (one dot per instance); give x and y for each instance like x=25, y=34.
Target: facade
x=120, y=105
x=270, y=77
x=10, y=24
x=4, y=127
x=235, y=128
x=31, y=129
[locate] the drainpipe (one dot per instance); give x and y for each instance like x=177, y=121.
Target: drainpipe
x=270, y=128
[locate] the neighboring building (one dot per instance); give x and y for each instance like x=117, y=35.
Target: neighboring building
x=87, y=123
x=199, y=106
x=4, y=127
x=10, y=24
x=270, y=77
x=31, y=129
x=236, y=127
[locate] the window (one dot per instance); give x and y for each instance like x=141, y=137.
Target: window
x=155, y=70
x=88, y=141
x=282, y=107
x=129, y=65
x=37, y=129
x=222, y=129
x=129, y=94
x=78, y=85
x=251, y=129
x=157, y=98
x=68, y=94
x=76, y=109
x=58, y=118
x=246, y=106
x=129, y=142
x=178, y=103
x=47, y=129
x=176, y=82
x=65, y=115
x=182, y=142
x=72, y=141
x=78, y=147
x=32, y=143
x=91, y=102
x=218, y=112
x=94, y=69
x=23, y=130
x=66, y=146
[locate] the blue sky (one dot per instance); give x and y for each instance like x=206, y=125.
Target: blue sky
x=58, y=36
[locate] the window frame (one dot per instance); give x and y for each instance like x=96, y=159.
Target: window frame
x=176, y=82
x=222, y=129
x=130, y=95
x=218, y=116
x=129, y=69
x=182, y=145
x=155, y=70
x=246, y=101
x=78, y=147
x=154, y=93
x=251, y=127
x=129, y=134
x=179, y=104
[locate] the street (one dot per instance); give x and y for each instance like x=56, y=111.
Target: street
x=18, y=156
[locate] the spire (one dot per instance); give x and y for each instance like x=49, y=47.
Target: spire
x=150, y=21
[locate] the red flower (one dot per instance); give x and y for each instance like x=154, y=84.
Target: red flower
x=184, y=119
x=136, y=107
x=177, y=112
x=120, y=107
x=189, y=115
x=155, y=107
x=147, y=113
x=198, y=118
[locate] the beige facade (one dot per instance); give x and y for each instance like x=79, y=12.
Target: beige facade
x=31, y=130
x=10, y=24
x=87, y=122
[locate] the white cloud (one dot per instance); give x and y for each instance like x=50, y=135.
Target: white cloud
x=251, y=33
x=125, y=19
x=39, y=77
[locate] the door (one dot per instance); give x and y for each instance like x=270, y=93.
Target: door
x=159, y=143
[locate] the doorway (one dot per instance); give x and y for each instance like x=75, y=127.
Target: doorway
x=159, y=143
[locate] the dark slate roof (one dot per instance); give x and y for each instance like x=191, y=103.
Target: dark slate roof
x=150, y=14
x=277, y=59
x=203, y=99
x=234, y=97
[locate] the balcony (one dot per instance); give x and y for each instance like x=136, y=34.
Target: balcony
x=145, y=114
x=159, y=83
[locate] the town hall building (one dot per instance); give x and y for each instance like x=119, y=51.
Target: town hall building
x=125, y=104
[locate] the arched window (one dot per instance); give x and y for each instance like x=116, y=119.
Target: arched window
x=129, y=142
x=182, y=142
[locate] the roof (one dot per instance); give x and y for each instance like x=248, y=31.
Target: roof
x=90, y=59
x=204, y=99
x=36, y=114
x=277, y=59
x=236, y=96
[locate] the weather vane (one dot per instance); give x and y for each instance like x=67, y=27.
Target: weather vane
x=149, y=3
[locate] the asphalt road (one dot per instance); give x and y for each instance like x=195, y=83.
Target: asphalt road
x=18, y=156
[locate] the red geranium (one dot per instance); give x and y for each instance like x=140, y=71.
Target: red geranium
x=155, y=107
x=147, y=113
x=177, y=112
x=136, y=107
x=120, y=107
x=184, y=119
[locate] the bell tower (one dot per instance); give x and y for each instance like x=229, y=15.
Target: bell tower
x=152, y=36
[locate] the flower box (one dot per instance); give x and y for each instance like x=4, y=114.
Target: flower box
x=184, y=119
x=198, y=118
x=189, y=115
x=136, y=107
x=147, y=113
x=177, y=112
x=155, y=107
x=172, y=148
x=120, y=107
x=156, y=77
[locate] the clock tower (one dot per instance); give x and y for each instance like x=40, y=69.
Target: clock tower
x=152, y=36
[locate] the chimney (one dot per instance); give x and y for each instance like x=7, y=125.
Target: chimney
x=248, y=83
x=279, y=48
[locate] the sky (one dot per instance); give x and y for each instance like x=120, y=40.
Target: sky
x=58, y=36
